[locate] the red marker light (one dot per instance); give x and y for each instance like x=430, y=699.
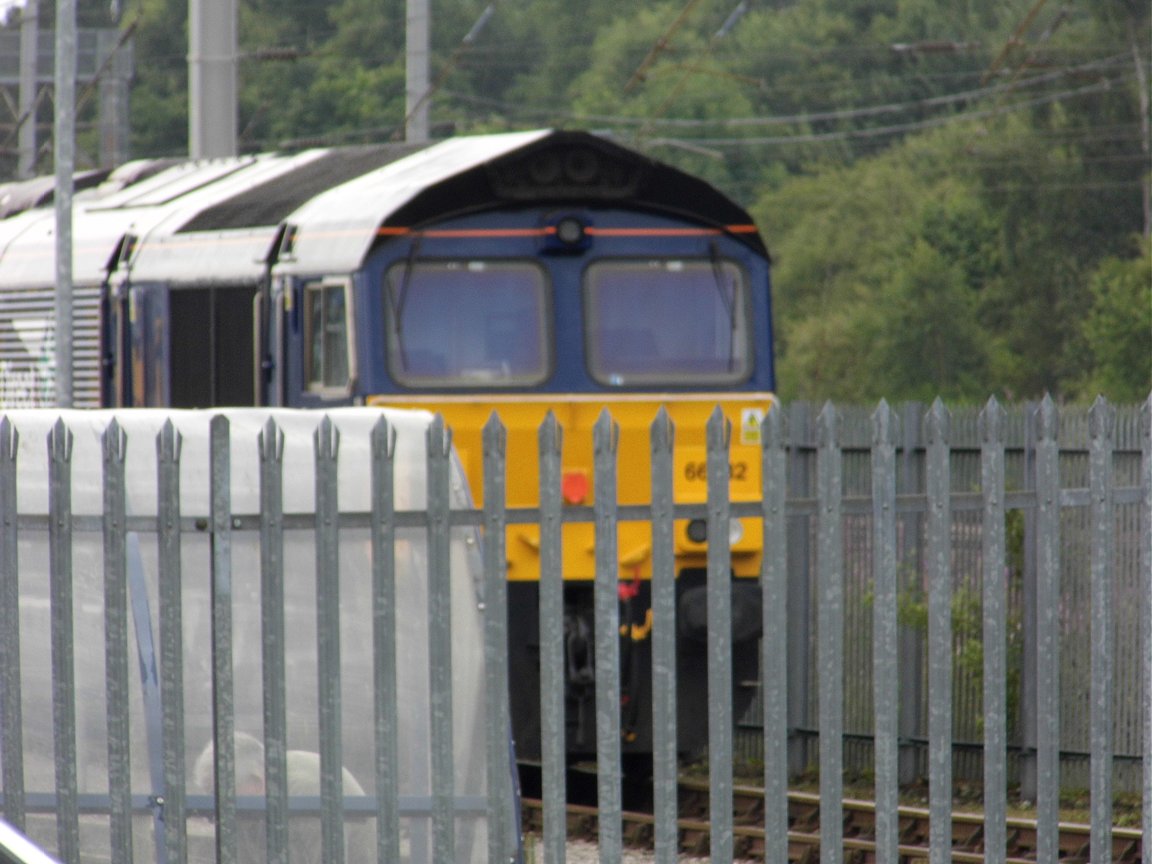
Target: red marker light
x=574, y=487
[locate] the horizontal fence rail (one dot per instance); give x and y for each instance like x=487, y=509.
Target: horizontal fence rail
x=945, y=596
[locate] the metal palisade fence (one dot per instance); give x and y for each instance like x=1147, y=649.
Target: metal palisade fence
x=316, y=676
x=943, y=596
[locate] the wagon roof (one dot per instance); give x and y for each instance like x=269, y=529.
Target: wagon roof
x=220, y=218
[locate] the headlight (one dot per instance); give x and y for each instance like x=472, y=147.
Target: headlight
x=697, y=531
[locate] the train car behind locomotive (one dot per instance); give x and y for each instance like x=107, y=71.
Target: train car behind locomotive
x=520, y=273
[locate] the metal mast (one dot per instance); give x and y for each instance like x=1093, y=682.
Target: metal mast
x=416, y=89
x=29, y=87
x=212, y=78
x=64, y=132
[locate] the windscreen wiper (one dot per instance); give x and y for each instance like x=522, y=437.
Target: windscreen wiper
x=401, y=297
x=727, y=299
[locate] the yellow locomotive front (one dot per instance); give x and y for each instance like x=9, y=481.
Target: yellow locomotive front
x=576, y=414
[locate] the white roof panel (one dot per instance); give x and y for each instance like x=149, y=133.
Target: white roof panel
x=153, y=210
x=338, y=226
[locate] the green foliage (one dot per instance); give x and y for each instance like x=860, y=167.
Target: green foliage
x=159, y=115
x=950, y=199
x=967, y=621
x=1119, y=329
x=879, y=277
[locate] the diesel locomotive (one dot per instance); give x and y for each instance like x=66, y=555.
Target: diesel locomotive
x=520, y=273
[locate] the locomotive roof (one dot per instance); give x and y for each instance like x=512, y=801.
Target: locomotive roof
x=220, y=218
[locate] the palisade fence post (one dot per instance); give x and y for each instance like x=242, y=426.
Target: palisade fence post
x=1047, y=632
x=994, y=598
x=114, y=445
x=938, y=572
x=664, y=702
x=270, y=447
x=63, y=640
x=439, y=444
x=830, y=632
x=496, y=638
x=551, y=613
x=149, y=665
x=801, y=437
x=1144, y=591
x=11, y=702
x=326, y=447
x=1101, y=424
x=719, y=596
x=384, y=622
x=150, y=686
x=171, y=616
x=1029, y=616
x=885, y=632
x=223, y=692
x=605, y=444
x=775, y=659
x=909, y=481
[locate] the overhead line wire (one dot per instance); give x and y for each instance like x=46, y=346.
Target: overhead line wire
x=829, y=116
x=901, y=127
x=659, y=47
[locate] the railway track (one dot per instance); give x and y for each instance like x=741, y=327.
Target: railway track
x=859, y=830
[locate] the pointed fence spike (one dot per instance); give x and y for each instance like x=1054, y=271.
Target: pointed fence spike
x=384, y=437
x=1101, y=419
x=719, y=430
x=662, y=431
x=495, y=435
x=114, y=441
x=271, y=441
x=605, y=433
x=9, y=439
x=168, y=442
x=939, y=422
x=828, y=426
x=320, y=436
x=266, y=440
x=441, y=435
x=60, y=441
x=773, y=428
x=1048, y=420
x=883, y=425
x=992, y=421
x=550, y=436
x=326, y=439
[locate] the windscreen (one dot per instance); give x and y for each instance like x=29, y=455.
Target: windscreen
x=467, y=323
x=667, y=322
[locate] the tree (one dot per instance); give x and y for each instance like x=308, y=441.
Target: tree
x=1119, y=329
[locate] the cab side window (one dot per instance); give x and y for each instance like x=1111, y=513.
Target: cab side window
x=326, y=340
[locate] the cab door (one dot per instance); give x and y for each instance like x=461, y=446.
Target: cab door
x=210, y=346
x=178, y=347
x=133, y=345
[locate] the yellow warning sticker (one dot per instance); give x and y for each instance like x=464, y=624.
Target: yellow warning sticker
x=750, y=420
